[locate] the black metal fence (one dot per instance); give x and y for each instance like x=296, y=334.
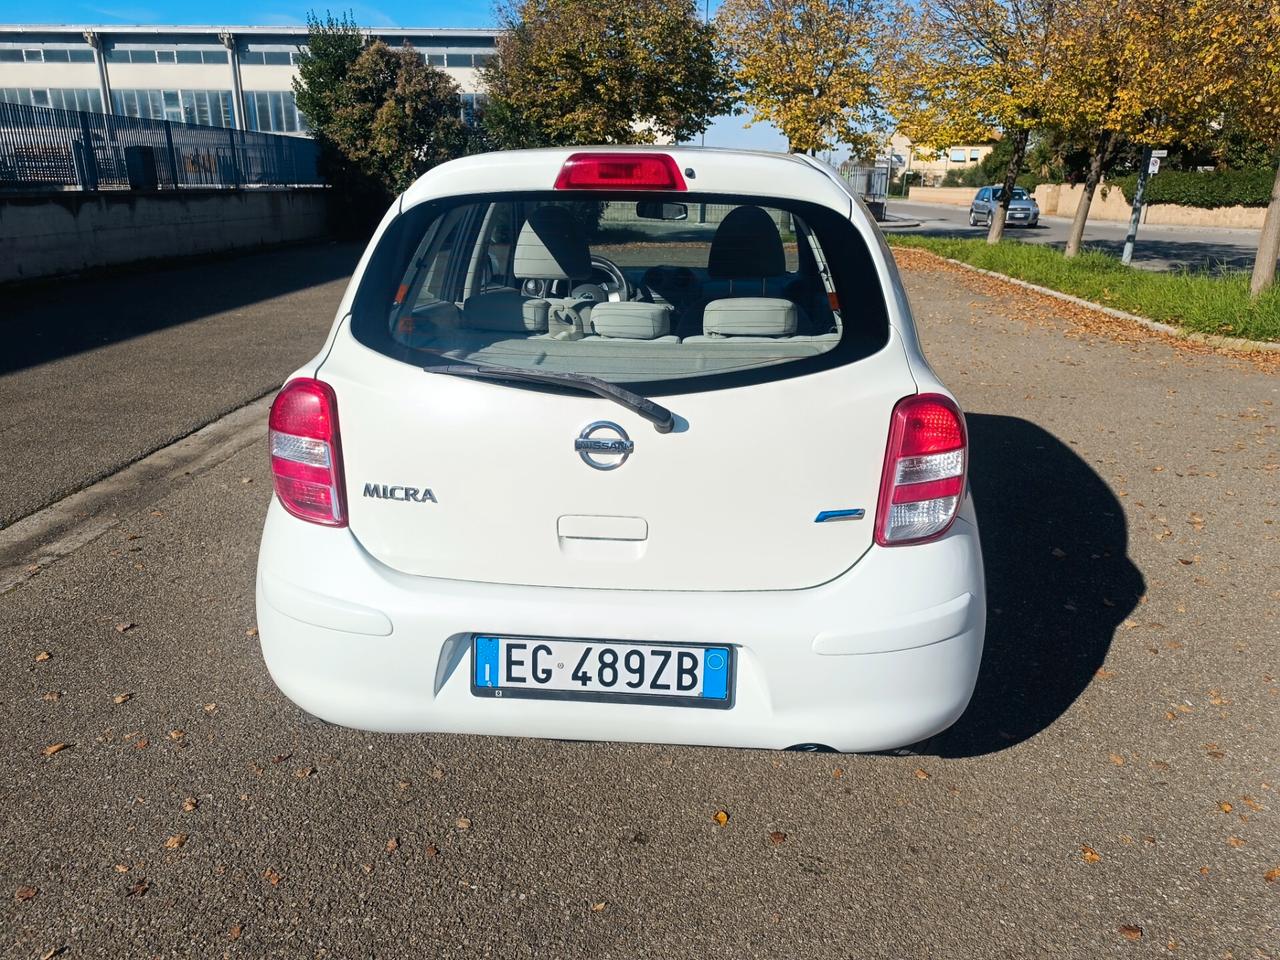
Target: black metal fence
x=43, y=148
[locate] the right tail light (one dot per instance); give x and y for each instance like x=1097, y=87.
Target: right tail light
x=924, y=471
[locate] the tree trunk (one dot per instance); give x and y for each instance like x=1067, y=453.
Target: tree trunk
x=996, y=230
x=1264, y=266
x=1096, y=162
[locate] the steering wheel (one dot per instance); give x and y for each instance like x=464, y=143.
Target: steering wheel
x=614, y=289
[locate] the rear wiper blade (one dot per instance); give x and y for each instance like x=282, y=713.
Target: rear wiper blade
x=663, y=420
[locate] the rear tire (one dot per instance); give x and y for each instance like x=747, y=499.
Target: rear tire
x=973, y=220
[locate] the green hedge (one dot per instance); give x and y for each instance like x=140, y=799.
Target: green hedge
x=1229, y=188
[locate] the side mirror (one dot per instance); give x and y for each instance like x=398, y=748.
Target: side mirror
x=656, y=210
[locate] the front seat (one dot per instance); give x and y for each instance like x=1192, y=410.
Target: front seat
x=746, y=259
x=551, y=247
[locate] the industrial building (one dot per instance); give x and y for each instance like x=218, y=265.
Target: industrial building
x=239, y=77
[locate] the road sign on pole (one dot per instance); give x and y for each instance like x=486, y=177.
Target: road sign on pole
x=1154, y=167
x=1144, y=171
x=1160, y=153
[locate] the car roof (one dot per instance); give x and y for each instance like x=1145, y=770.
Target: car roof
x=715, y=170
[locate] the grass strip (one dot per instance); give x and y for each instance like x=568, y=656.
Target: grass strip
x=1201, y=302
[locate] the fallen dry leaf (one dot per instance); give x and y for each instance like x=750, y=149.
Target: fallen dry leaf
x=43, y=655
x=124, y=627
x=122, y=698
x=1252, y=804
x=838, y=772
x=1204, y=871
x=598, y=907
x=393, y=845
x=437, y=774
x=190, y=804
x=1103, y=674
x=1272, y=875
x=1129, y=931
x=210, y=707
x=463, y=823
x=1225, y=807
x=777, y=837
x=1236, y=842
x=176, y=841
x=139, y=889
x=432, y=850
x=1088, y=854
x=721, y=818
x=142, y=744
x=52, y=695
x=53, y=748
x=1116, y=759
x=922, y=774
x=251, y=632
x=177, y=734
x=303, y=772
x=271, y=876
x=53, y=952
x=25, y=892
x=122, y=868
x=234, y=932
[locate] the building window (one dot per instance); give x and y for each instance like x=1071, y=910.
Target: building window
x=472, y=106
x=33, y=56
x=210, y=108
x=460, y=60
x=957, y=154
x=483, y=59
x=435, y=59
x=80, y=56
x=116, y=55
x=973, y=154
x=166, y=56
x=273, y=111
x=10, y=56
x=68, y=98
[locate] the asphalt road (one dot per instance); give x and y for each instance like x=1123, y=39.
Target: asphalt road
x=96, y=373
x=1158, y=247
x=1112, y=790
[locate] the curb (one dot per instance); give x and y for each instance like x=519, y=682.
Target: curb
x=40, y=539
x=1209, y=339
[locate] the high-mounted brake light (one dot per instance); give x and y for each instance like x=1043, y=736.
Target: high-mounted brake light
x=620, y=171
x=306, y=455
x=924, y=471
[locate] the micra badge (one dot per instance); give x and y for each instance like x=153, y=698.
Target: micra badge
x=403, y=494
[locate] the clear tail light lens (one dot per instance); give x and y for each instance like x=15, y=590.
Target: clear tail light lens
x=924, y=471
x=306, y=455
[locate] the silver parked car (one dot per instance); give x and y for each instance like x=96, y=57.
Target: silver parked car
x=1023, y=208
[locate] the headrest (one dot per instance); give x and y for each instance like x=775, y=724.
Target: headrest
x=746, y=244
x=749, y=317
x=551, y=246
x=631, y=321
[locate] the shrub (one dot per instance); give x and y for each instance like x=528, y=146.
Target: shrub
x=1226, y=188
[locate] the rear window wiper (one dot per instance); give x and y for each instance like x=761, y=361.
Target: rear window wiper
x=663, y=420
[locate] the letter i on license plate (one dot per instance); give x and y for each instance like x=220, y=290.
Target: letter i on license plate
x=551, y=669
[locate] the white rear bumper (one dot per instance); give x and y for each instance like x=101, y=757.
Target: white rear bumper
x=883, y=656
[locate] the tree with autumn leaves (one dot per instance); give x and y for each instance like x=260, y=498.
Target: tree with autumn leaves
x=807, y=67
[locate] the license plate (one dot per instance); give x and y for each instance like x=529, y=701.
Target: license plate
x=549, y=669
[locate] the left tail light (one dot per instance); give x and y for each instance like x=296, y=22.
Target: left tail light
x=924, y=471
x=306, y=453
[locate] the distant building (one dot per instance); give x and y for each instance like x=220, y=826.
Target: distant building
x=932, y=165
x=237, y=77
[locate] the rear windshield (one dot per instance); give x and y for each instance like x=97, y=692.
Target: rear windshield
x=675, y=292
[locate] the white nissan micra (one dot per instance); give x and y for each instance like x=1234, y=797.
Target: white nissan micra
x=629, y=444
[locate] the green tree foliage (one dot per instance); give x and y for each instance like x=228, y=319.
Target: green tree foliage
x=398, y=117
x=381, y=116
x=602, y=71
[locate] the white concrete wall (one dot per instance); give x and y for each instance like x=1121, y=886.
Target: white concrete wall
x=48, y=235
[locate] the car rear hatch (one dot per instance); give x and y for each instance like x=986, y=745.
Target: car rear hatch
x=729, y=500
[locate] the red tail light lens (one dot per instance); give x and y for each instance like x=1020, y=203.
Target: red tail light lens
x=306, y=455
x=620, y=171
x=924, y=471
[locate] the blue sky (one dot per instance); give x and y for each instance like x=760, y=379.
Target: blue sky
x=725, y=132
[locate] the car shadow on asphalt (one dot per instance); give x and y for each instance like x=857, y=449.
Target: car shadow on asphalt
x=1059, y=582
x=46, y=320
